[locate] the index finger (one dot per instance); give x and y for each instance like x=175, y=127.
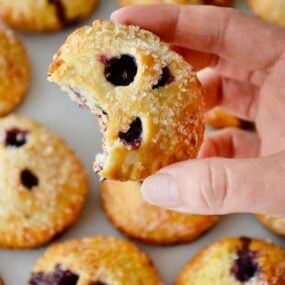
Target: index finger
x=228, y=33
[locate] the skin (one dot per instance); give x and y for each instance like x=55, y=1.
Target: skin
x=236, y=171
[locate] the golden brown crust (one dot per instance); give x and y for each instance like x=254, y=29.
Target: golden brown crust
x=171, y=116
x=180, y=2
x=107, y=259
x=213, y=264
x=44, y=15
x=42, y=179
x=14, y=71
x=127, y=210
x=218, y=118
x=1, y=281
x=275, y=224
x=269, y=10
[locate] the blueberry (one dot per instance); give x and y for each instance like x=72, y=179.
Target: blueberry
x=133, y=136
x=61, y=13
x=37, y=279
x=165, y=78
x=120, y=70
x=15, y=137
x=29, y=179
x=245, y=266
x=57, y=277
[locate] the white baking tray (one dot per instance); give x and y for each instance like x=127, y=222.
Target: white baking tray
x=50, y=106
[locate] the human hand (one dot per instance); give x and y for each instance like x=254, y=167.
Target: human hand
x=236, y=171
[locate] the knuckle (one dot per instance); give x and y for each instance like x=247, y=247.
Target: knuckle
x=215, y=188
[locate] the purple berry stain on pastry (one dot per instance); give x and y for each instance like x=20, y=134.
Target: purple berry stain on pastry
x=15, y=138
x=165, y=78
x=60, y=10
x=133, y=136
x=120, y=70
x=245, y=266
x=28, y=179
x=58, y=277
x=81, y=99
x=61, y=13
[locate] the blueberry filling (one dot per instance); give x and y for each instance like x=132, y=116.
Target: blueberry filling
x=37, y=279
x=58, y=277
x=120, y=70
x=15, y=137
x=245, y=266
x=133, y=136
x=28, y=179
x=61, y=13
x=165, y=78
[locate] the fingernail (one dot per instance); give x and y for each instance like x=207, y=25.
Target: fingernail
x=161, y=190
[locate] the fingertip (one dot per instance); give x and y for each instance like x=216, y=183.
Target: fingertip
x=206, y=150
x=161, y=190
x=118, y=15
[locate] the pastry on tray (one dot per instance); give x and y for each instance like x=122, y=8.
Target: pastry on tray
x=236, y=261
x=127, y=210
x=43, y=184
x=269, y=10
x=15, y=71
x=44, y=15
x=94, y=261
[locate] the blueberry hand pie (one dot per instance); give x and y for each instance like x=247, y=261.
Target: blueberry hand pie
x=146, y=97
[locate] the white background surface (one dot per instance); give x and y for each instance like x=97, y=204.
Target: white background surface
x=50, y=106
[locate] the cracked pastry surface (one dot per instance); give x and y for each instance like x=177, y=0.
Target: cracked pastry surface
x=44, y=15
x=180, y=2
x=147, y=98
x=94, y=261
x=14, y=71
x=269, y=10
x=236, y=261
x=43, y=181
x=126, y=209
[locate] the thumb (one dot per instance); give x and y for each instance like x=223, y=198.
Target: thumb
x=220, y=186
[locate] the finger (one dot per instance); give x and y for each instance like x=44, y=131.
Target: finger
x=199, y=60
x=220, y=186
x=221, y=31
x=230, y=143
x=238, y=98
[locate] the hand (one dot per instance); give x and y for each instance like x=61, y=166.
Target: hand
x=237, y=171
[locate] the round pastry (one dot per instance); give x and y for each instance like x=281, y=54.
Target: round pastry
x=236, y=261
x=275, y=224
x=218, y=118
x=94, y=261
x=42, y=182
x=14, y=71
x=44, y=15
x=270, y=10
x=147, y=98
x=127, y=210
x=180, y=2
